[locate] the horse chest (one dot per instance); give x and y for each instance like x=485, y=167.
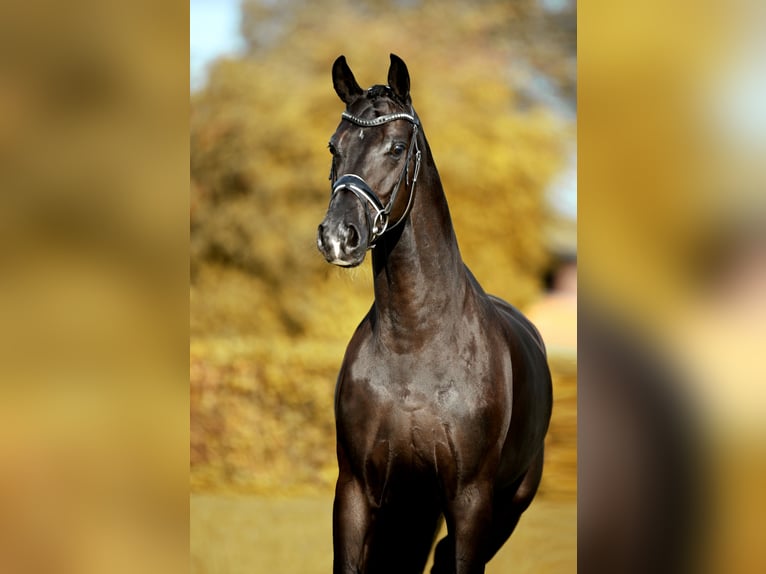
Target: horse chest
x=419, y=390
x=414, y=419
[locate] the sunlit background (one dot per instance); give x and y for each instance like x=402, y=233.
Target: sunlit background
x=672, y=219
x=494, y=85
x=94, y=287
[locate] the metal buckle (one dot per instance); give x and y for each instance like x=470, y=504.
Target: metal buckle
x=379, y=224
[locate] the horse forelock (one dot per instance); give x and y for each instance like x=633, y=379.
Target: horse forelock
x=379, y=91
x=379, y=100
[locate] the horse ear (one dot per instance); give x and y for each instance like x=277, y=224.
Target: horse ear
x=343, y=81
x=399, y=78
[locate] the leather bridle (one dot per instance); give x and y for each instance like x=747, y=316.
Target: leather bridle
x=356, y=184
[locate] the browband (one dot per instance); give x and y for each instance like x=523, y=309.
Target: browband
x=379, y=121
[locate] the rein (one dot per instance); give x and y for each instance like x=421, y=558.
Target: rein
x=356, y=184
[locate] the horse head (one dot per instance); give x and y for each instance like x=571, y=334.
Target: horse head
x=375, y=162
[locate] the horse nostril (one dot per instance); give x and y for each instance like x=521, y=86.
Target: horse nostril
x=320, y=236
x=352, y=237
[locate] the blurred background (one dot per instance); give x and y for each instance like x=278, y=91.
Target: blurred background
x=94, y=286
x=672, y=220
x=494, y=84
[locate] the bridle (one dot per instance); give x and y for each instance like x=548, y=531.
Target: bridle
x=356, y=184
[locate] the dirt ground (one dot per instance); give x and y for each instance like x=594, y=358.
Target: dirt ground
x=245, y=534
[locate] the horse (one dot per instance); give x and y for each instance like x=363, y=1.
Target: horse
x=444, y=396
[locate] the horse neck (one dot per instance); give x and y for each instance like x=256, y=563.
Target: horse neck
x=419, y=275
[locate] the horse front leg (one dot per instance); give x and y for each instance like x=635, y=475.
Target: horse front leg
x=352, y=518
x=469, y=519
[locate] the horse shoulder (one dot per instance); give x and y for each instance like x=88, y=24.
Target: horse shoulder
x=358, y=397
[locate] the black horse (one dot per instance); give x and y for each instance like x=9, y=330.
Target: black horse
x=444, y=396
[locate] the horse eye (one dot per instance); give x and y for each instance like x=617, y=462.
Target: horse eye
x=398, y=149
x=333, y=149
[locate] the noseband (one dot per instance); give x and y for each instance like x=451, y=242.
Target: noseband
x=356, y=184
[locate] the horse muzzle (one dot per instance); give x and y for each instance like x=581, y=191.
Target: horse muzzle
x=347, y=231
x=342, y=243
